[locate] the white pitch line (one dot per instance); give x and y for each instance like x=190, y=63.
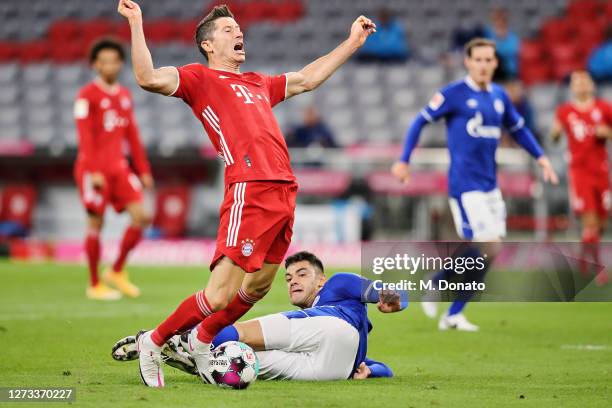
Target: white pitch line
x=586, y=347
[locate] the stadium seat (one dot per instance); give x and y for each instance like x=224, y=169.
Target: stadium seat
x=8, y=51
x=558, y=30
x=535, y=73
x=95, y=29
x=34, y=52
x=161, y=31
x=584, y=10
x=65, y=31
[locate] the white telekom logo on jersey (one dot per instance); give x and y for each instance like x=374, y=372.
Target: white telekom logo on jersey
x=111, y=120
x=243, y=92
x=475, y=128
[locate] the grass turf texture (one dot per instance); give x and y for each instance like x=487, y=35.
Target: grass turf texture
x=527, y=355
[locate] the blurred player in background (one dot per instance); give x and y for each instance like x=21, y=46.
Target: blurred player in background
x=105, y=122
x=260, y=190
x=586, y=121
x=475, y=110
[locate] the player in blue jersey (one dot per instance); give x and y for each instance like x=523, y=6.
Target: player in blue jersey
x=475, y=111
x=326, y=339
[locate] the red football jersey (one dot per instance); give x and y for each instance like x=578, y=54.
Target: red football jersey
x=105, y=121
x=587, y=152
x=236, y=112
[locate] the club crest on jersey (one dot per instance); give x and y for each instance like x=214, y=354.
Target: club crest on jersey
x=472, y=103
x=436, y=101
x=596, y=115
x=247, y=247
x=499, y=106
x=476, y=128
x=125, y=103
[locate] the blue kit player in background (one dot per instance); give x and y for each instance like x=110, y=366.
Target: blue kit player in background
x=327, y=339
x=475, y=110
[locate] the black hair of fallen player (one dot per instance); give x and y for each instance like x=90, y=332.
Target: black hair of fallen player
x=305, y=256
x=106, y=44
x=206, y=26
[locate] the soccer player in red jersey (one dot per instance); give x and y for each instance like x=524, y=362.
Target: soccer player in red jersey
x=586, y=121
x=257, y=212
x=105, y=121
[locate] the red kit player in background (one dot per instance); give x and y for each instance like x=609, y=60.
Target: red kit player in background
x=105, y=122
x=257, y=212
x=586, y=121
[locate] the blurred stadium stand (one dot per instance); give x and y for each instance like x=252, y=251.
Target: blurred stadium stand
x=42, y=65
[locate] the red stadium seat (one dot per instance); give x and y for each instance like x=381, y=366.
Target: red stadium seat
x=186, y=31
x=62, y=32
x=8, y=51
x=34, y=51
x=161, y=31
x=171, y=210
x=561, y=70
x=557, y=30
x=535, y=73
x=18, y=203
x=566, y=52
x=95, y=29
x=532, y=50
x=72, y=51
x=584, y=10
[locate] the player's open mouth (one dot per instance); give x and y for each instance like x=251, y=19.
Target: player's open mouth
x=239, y=48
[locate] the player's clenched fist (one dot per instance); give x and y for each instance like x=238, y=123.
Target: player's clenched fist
x=361, y=29
x=129, y=9
x=401, y=171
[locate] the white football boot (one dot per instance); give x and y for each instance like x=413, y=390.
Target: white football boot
x=201, y=354
x=430, y=309
x=457, y=321
x=150, y=361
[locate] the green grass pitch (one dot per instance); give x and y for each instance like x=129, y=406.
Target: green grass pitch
x=527, y=355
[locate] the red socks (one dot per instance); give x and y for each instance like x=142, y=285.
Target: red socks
x=131, y=237
x=190, y=312
x=92, y=250
x=590, y=246
x=237, y=308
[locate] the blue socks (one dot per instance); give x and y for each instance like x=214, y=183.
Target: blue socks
x=229, y=333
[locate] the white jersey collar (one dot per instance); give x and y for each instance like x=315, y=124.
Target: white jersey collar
x=472, y=84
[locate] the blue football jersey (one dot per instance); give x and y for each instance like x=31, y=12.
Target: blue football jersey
x=474, y=120
x=344, y=296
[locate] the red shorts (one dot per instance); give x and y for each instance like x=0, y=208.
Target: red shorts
x=256, y=223
x=121, y=187
x=590, y=193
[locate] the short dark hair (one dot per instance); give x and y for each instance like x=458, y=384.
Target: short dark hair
x=206, y=26
x=478, y=42
x=105, y=44
x=305, y=256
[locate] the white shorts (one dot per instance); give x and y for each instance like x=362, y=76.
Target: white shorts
x=479, y=216
x=310, y=348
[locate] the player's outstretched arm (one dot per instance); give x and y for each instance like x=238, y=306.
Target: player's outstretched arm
x=401, y=168
x=317, y=72
x=556, y=131
x=161, y=80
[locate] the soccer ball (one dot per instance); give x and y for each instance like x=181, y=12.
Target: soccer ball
x=234, y=365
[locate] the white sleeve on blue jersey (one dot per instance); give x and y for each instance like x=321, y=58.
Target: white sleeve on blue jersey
x=512, y=120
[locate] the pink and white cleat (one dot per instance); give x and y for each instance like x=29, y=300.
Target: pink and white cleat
x=150, y=361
